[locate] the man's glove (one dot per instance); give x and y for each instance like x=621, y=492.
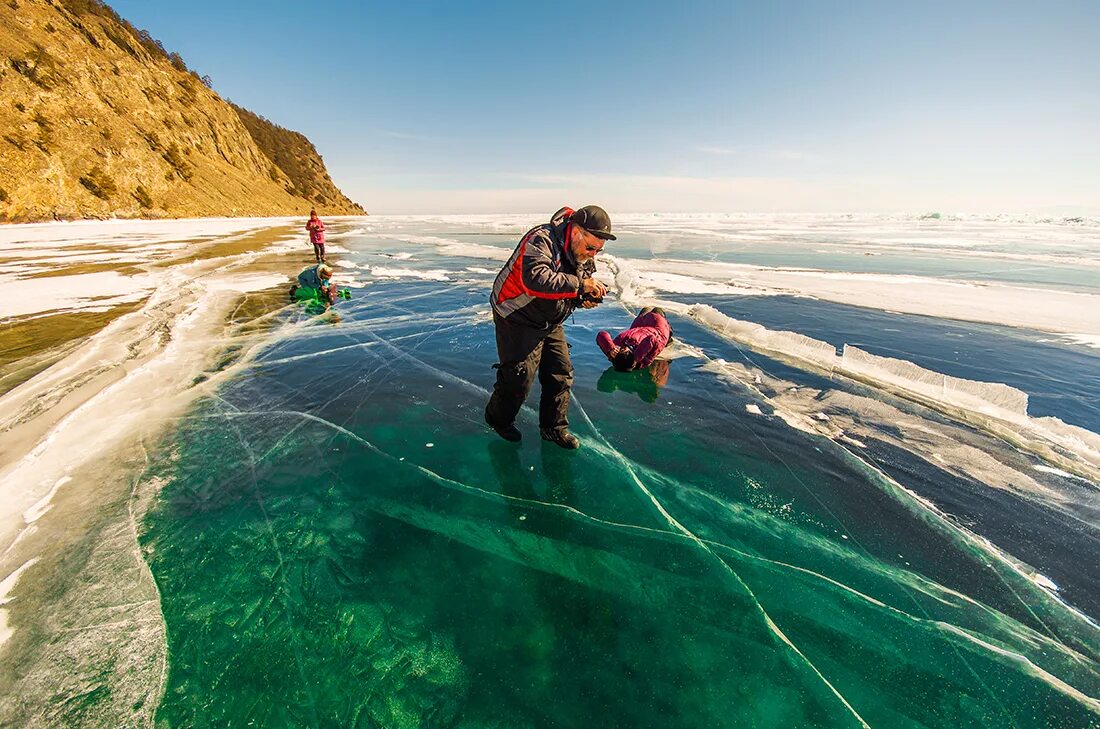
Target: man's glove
x=592, y=291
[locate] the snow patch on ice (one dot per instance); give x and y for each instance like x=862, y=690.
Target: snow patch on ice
x=247, y=283
x=140, y=234
x=6, y=587
x=1088, y=340
x=348, y=234
x=437, y=274
x=1044, y=582
x=1060, y=472
x=680, y=284
x=43, y=505
x=463, y=249
x=1068, y=313
x=67, y=293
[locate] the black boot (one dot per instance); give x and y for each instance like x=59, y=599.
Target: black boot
x=561, y=437
x=508, y=432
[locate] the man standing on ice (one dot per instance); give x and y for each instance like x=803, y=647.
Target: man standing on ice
x=544, y=280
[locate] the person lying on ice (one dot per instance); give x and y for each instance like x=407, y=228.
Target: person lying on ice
x=638, y=346
x=315, y=282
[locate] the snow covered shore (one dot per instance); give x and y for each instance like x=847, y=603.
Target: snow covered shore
x=85, y=402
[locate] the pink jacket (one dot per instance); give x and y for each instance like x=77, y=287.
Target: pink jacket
x=646, y=337
x=316, y=230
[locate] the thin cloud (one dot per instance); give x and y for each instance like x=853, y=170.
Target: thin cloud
x=791, y=155
x=718, y=151
x=406, y=135
x=779, y=154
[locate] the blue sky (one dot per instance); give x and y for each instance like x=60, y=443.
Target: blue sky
x=696, y=106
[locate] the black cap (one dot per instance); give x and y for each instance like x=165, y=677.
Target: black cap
x=595, y=220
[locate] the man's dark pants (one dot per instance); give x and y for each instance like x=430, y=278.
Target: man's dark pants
x=523, y=352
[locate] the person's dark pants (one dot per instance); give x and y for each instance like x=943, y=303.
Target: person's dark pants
x=319, y=251
x=523, y=352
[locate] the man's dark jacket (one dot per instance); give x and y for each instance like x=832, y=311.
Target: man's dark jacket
x=539, y=285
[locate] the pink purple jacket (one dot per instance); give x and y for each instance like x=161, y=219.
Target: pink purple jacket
x=316, y=230
x=646, y=337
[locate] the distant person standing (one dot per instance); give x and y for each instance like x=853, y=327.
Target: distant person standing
x=545, y=279
x=316, y=235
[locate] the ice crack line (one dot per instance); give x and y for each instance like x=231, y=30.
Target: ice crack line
x=625, y=463
x=282, y=574
x=825, y=507
x=681, y=533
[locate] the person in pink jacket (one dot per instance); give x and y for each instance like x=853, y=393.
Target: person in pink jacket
x=316, y=235
x=638, y=346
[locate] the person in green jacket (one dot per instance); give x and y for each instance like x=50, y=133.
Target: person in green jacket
x=315, y=282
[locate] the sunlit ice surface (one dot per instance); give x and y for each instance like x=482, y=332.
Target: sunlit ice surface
x=337, y=539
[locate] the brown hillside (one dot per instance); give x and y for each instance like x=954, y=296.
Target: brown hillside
x=98, y=120
x=298, y=159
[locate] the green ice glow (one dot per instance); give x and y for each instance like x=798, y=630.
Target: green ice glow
x=340, y=542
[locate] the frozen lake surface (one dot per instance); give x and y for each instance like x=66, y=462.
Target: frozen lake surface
x=276, y=519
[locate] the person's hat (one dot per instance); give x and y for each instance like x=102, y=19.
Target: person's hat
x=324, y=268
x=595, y=220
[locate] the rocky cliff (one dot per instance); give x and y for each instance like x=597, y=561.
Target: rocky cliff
x=98, y=120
